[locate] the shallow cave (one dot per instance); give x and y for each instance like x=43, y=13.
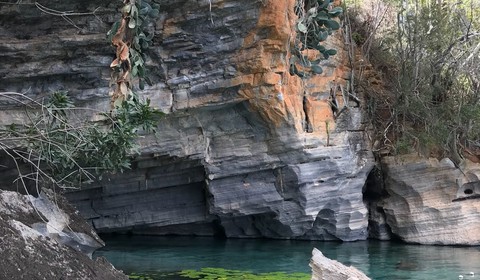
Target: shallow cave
x=374, y=190
x=373, y=194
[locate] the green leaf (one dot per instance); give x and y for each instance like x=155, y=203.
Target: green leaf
x=149, y=81
x=149, y=36
x=134, y=12
x=315, y=62
x=136, y=44
x=145, y=10
x=320, y=48
x=154, y=13
x=323, y=4
x=293, y=69
x=323, y=14
x=301, y=27
x=141, y=72
x=117, y=103
x=322, y=18
x=317, y=69
x=131, y=23
x=126, y=9
x=333, y=24
x=331, y=52
x=138, y=61
x=335, y=12
x=301, y=74
x=113, y=30
x=293, y=60
x=322, y=36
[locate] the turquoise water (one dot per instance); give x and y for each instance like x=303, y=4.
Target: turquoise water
x=379, y=260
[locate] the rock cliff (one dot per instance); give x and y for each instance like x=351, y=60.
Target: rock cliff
x=41, y=239
x=431, y=202
x=246, y=149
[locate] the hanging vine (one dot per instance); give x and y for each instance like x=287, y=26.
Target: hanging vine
x=130, y=38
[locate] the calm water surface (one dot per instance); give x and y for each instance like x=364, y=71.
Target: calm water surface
x=379, y=260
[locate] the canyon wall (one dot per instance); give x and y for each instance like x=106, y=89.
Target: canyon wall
x=245, y=148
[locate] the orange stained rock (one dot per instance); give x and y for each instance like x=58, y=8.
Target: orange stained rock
x=271, y=78
x=170, y=28
x=275, y=94
x=320, y=113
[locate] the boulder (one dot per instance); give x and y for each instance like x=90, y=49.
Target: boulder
x=324, y=268
x=42, y=239
x=428, y=201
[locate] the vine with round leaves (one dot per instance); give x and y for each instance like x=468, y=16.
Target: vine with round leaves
x=316, y=21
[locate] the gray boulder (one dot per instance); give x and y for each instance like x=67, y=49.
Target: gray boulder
x=42, y=240
x=324, y=268
x=431, y=201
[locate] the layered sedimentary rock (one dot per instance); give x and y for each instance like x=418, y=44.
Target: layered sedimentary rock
x=430, y=201
x=324, y=268
x=44, y=240
x=245, y=150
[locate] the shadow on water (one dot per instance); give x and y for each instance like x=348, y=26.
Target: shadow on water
x=379, y=260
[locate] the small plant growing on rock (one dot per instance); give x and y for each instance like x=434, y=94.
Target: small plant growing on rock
x=316, y=21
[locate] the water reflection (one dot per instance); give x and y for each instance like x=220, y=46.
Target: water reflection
x=379, y=260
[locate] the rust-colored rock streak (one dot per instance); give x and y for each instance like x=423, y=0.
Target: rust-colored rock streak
x=264, y=55
x=275, y=94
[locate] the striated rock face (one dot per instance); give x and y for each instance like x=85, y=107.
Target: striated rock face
x=324, y=268
x=423, y=204
x=43, y=241
x=246, y=149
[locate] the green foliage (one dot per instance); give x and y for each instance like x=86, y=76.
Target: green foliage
x=403, y=146
x=358, y=38
x=429, y=52
x=221, y=274
x=316, y=21
x=73, y=151
x=143, y=276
